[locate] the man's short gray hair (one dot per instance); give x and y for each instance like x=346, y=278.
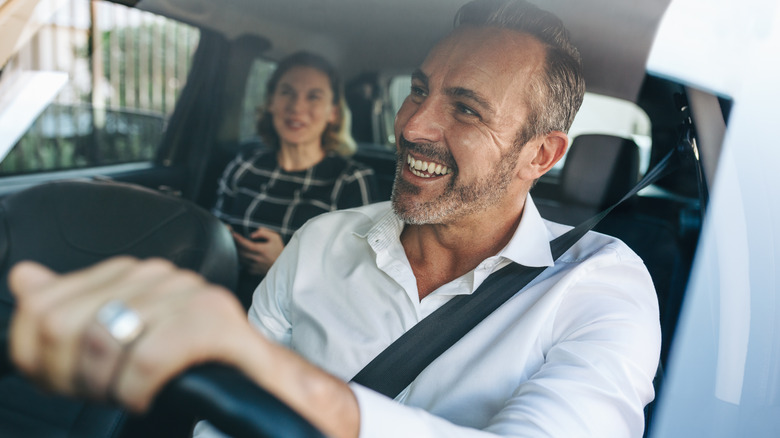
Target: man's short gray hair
x=558, y=94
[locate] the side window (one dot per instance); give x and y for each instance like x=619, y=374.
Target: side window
x=398, y=90
x=254, y=98
x=598, y=115
x=90, y=84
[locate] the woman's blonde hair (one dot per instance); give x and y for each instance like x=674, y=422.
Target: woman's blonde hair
x=336, y=136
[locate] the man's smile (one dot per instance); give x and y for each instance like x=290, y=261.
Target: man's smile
x=426, y=169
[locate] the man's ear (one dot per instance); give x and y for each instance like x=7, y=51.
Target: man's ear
x=549, y=150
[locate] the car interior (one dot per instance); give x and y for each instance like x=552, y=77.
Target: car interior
x=376, y=44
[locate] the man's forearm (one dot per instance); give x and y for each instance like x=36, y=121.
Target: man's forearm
x=324, y=400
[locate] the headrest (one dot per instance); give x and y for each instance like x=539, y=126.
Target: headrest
x=599, y=169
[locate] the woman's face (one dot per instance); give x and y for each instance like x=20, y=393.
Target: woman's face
x=302, y=106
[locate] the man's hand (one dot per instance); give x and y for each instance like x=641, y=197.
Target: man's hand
x=57, y=339
x=63, y=337
x=260, y=251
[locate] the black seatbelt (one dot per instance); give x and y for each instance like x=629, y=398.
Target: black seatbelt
x=403, y=360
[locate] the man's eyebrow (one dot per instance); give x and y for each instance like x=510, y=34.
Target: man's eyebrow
x=471, y=95
x=420, y=76
x=456, y=91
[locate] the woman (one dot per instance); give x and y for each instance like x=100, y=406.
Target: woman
x=266, y=194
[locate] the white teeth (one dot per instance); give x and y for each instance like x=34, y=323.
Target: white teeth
x=418, y=167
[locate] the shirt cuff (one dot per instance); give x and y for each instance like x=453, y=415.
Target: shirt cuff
x=381, y=416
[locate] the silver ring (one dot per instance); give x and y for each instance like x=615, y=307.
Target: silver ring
x=121, y=322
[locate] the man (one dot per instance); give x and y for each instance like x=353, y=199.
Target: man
x=573, y=354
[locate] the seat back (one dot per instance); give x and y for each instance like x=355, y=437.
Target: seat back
x=68, y=225
x=599, y=169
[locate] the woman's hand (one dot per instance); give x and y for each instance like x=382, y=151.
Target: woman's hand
x=121, y=329
x=260, y=251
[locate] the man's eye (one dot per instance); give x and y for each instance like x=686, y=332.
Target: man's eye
x=418, y=91
x=464, y=109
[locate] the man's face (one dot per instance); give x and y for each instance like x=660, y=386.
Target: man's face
x=457, y=129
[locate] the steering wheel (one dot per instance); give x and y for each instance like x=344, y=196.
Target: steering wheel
x=220, y=394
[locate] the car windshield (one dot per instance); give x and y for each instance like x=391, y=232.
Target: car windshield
x=177, y=99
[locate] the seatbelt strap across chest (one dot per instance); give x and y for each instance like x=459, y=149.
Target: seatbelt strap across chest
x=402, y=361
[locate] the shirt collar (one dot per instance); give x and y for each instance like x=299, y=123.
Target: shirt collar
x=529, y=246
x=385, y=232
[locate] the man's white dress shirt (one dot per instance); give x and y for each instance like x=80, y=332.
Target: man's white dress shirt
x=574, y=354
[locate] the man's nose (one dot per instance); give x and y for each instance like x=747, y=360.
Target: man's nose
x=426, y=124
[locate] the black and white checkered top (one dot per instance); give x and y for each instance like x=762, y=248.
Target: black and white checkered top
x=255, y=191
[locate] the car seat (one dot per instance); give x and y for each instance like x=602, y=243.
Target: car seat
x=71, y=224
x=599, y=169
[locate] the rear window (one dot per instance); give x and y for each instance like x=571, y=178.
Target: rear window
x=608, y=115
x=254, y=98
x=91, y=84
